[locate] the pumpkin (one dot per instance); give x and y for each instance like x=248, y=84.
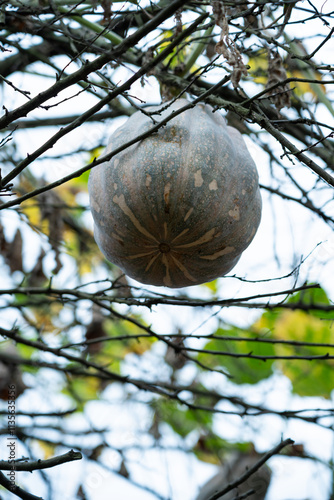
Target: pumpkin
x=179, y=207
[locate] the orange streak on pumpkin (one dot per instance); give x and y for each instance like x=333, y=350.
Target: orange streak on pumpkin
x=167, y=280
x=144, y=254
x=167, y=194
x=120, y=201
x=181, y=234
x=220, y=253
x=188, y=214
x=250, y=237
x=183, y=269
x=151, y=261
x=118, y=238
x=208, y=236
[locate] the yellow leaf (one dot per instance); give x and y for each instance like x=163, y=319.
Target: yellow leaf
x=301, y=88
x=207, y=457
x=47, y=449
x=32, y=211
x=212, y=286
x=298, y=325
x=259, y=72
x=259, y=68
x=44, y=315
x=177, y=56
x=94, y=153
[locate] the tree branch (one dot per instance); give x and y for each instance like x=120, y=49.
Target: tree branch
x=111, y=95
x=6, y=483
x=90, y=67
x=70, y=456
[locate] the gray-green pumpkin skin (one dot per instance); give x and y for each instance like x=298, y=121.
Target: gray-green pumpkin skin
x=179, y=207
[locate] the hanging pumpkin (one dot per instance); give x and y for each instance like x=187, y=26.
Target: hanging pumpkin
x=179, y=207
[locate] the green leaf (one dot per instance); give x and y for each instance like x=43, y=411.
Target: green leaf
x=27, y=352
x=308, y=377
x=82, y=389
x=210, y=448
x=181, y=420
x=177, y=56
x=242, y=370
x=312, y=296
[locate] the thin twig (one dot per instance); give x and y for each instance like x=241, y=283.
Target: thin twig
x=252, y=470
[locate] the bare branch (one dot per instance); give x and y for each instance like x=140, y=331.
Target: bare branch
x=88, y=68
x=18, y=465
x=6, y=483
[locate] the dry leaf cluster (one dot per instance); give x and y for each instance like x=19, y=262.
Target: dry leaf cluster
x=280, y=96
x=226, y=46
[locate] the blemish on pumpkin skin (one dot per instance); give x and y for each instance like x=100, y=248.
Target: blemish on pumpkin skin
x=115, y=186
x=148, y=180
x=243, y=191
x=95, y=206
x=235, y=213
x=118, y=238
x=116, y=162
x=213, y=185
x=166, y=196
x=120, y=233
x=198, y=178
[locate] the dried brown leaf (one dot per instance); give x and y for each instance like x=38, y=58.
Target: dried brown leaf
x=227, y=47
x=280, y=96
x=174, y=356
x=49, y=207
x=13, y=254
x=37, y=277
